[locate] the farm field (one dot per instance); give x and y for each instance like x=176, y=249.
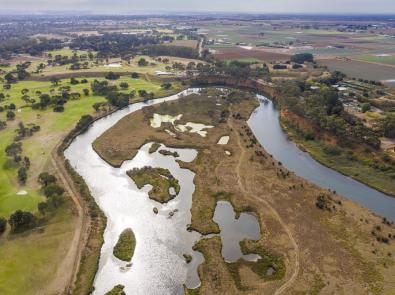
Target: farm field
x=238, y=53
x=377, y=58
x=360, y=69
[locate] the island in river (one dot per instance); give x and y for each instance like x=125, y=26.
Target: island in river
x=312, y=240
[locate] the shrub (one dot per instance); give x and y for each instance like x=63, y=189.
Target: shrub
x=297, y=66
x=332, y=150
x=279, y=67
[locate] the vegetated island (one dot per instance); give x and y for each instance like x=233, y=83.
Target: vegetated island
x=124, y=249
x=117, y=290
x=161, y=180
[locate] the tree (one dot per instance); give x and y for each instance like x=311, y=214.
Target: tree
x=22, y=175
x=45, y=178
x=74, y=81
x=10, y=78
x=21, y=221
x=55, y=81
x=143, y=93
x=124, y=85
x=42, y=207
x=112, y=76
x=388, y=126
x=84, y=122
x=45, y=100
x=53, y=189
x=86, y=92
x=97, y=106
x=166, y=85
x=58, y=109
x=3, y=225
x=301, y=58
x=142, y=62
x=135, y=75
x=365, y=107
x=14, y=149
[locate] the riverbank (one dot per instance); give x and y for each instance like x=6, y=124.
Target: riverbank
x=285, y=205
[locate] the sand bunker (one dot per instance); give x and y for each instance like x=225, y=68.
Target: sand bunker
x=113, y=65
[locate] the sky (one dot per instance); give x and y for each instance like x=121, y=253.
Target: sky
x=154, y=6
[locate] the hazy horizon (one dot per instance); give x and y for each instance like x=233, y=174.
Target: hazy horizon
x=386, y=7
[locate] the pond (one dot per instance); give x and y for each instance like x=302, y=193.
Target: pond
x=234, y=230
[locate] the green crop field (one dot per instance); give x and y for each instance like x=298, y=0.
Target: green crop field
x=379, y=58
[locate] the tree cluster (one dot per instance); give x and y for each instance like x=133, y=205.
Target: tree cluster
x=52, y=191
x=325, y=112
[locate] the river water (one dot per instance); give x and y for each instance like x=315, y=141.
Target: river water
x=158, y=266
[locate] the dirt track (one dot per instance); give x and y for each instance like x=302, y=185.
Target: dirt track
x=68, y=269
x=241, y=160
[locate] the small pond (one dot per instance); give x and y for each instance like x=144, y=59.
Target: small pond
x=234, y=230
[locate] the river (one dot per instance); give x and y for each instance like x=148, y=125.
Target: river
x=265, y=124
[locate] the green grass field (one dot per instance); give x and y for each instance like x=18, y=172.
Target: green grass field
x=53, y=127
x=29, y=261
